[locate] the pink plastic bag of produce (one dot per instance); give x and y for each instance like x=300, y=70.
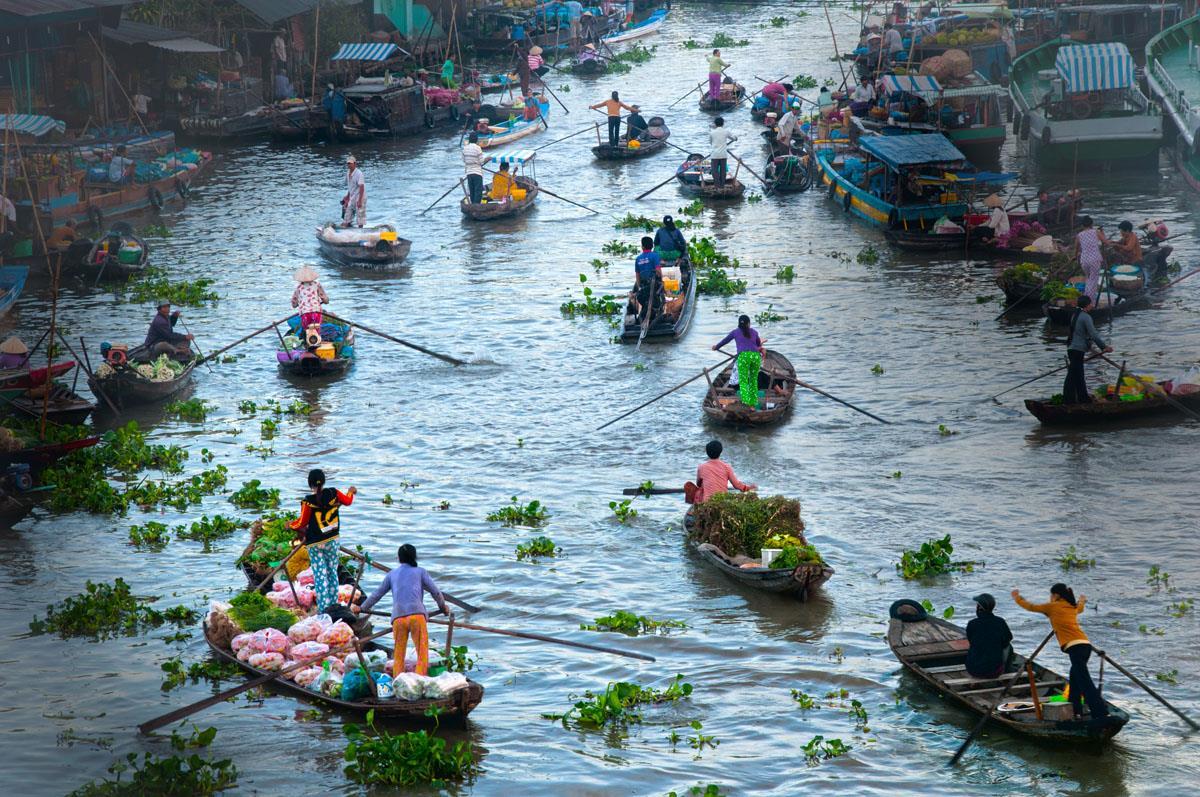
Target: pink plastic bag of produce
x=305, y=577
x=306, y=651
x=240, y=641
x=309, y=629
x=267, y=661
x=307, y=597
x=345, y=591
x=269, y=640
x=337, y=634
x=307, y=676
x=245, y=653
x=284, y=600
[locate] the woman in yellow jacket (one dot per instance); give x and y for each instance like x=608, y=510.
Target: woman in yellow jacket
x=1063, y=612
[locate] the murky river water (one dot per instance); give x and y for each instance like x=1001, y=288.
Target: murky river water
x=520, y=420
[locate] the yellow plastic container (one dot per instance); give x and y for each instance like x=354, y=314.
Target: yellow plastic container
x=635, y=144
x=326, y=351
x=518, y=194
x=387, y=235
x=671, y=286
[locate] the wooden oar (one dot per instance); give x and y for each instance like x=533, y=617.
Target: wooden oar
x=546, y=86
x=539, y=638
x=1019, y=302
x=747, y=168
x=443, y=196
x=685, y=96
x=385, y=336
x=295, y=549
x=807, y=386
x=652, y=491
x=1178, y=280
x=221, y=697
x=1041, y=376
x=978, y=728
x=664, y=182
x=1149, y=691
x=721, y=364
x=84, y=365
x=545, y=190
x=1176, y=404
x=195, y=342
x=356, y=555
x=564, y=138
x=649, y=309
x=272, y=325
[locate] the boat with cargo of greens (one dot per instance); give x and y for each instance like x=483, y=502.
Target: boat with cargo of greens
x=1173, y=75
x=1081, y=104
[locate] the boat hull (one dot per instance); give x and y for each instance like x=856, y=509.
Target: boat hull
x=734, y=413
x=664, y=328
x=125, y=390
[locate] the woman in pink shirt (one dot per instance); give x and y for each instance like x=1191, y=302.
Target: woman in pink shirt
x=715, y=476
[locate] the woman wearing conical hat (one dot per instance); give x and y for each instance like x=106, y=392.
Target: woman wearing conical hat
x=997, y=216
x=14, y=353
x=308, y=297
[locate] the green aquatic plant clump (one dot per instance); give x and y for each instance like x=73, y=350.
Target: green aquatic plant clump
x=153, y=285
x=537, y=548
x=253, y=495
x=716, y=282
x=933, y=558
x=194, y=410
x=106, y=610
x=631, y=624
x=606, y=305
x=518, y=514
x=741, y=523
x=412, y=758
x=792, y=556
x=617, y=703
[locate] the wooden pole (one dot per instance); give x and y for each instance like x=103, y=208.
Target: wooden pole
x=836, y=51
x=1148, y=690
x=353, y=554
x=385, y=336
x=728, y=357
x=220, y=351
x=544, y=638
x=1040, y=376
x=316, y=48
x=87, y=369
x=443, y=196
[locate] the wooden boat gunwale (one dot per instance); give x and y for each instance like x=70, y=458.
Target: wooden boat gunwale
x=739, y=413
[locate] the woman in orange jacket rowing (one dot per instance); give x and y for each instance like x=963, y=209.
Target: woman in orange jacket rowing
x=1063, y=612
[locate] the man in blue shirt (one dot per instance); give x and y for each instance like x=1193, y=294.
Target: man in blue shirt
x=647, y=269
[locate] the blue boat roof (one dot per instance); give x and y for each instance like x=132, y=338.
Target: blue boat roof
x=897, y=151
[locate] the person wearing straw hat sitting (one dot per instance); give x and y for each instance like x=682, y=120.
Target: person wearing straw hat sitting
x=997, y=217
x=162, y=338
x=354, y=204
x=13, y=353
x=308, y=297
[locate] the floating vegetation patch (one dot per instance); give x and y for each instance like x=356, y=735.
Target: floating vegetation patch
x=631, y=624
x=107, y=610
x=537, y=548
x=411, y=758
x=153, y=285
x=617, y=704
x=933, y=558
x=592, y=305
x=518, y=514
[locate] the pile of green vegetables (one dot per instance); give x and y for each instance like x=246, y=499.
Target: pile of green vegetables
x=270, y=541
x=253, y=612
x=744, y=523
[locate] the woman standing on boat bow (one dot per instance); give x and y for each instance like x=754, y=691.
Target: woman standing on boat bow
x=750, y=349
x=1088, y=250
x=318, y=527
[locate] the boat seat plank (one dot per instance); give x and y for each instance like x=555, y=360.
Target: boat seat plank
x=951, y=668
x=1020, y=687
x=1008, y=676
x=927, y=648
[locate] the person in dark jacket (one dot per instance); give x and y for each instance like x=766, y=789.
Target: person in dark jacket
x=1082, y=335
x=990, y=639
x=162, y=338
x=669, y=241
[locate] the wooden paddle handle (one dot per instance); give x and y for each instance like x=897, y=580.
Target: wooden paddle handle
x=1033, y=692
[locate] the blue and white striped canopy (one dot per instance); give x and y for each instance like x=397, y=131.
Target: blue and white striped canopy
x=30, y=124
x=518, y=156
x=365, y=52
x=912, y=84
x=1095, y=67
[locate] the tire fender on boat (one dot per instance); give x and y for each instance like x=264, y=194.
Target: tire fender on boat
x=156, y=198
x=894, y=218
x=182, y=188
x=832, y=188
x=429, y=119
x=1017, y=118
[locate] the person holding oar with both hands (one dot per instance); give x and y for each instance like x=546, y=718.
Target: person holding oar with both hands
x=612, y=108
x=1081, y=335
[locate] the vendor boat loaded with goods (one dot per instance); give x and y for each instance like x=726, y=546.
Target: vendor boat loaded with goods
x=129, y=377
x=1131, y=397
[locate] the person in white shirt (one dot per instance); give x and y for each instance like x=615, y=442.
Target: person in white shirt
x=141, y=104
x=472, y=155
x=863, y=91
x=997, y=216
x=721, y=139
x=787, y=125
x=119, y=167
x=893, y=43
x=354, y=204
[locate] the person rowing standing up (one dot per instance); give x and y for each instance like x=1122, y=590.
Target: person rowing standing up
x=354, y=204
x=408, y=583
x=317, y=528
x=720, y=139
x=613, y=107
x=715, y=66
x=1063, y=612
x=472, y=155
x=750, y=349
x=714, y=476
x=1081, y=334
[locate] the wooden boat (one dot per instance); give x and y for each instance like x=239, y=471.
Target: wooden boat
x=636, y=30
x=936, y=651
x=1105, y=410
x=299, y=120
x=377, y=247
x=21, y=379
x=1175, y=84
x=730, y=98
x=513, y=205
x=723, y=405
x=789, y=174
x=928, y=241
x=798, y=581
x=588, y=67
x=455, y=707
x=12, y=282
x=674, y=318
x=331, y=356
x=694, y=176
x=39, y=457
x=1081, y=104
x=1132, y=24
x=64, y=407
x=517, y=127
x=655, y=141
x=1116, y=297
x=125, y=387
x=118, y=254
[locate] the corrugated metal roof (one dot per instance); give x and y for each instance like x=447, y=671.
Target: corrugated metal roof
x=897, y=151
x=186, y=44
x=36, y=8
x=139, y=33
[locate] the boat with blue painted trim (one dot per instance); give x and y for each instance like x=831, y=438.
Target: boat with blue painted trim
x=1081, y=103
x=1173, y=74
x=637, y=30
x=12, y=282
x=524, y=121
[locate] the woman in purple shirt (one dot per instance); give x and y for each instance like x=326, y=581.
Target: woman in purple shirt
x=407, y=584
x=749, y=360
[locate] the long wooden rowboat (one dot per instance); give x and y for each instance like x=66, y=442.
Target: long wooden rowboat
x=722, y=403
x=1101, y=310
x=691, y=178
x=12, y=282
x=798, y=581
x=486, y=211
x=679, y=311
x=655, y=141
x=727, y=100
x=936, y=652
x=64, y=406
x=38, y=457
x=131, y=256
x=916, y=240
x=455, y=707
x=377, y=248
x=1101, y=410
x=127, y=388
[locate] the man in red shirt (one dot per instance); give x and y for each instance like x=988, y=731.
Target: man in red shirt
x=715, y=476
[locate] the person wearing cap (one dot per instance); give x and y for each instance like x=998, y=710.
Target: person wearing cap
x=472, y=155
x=612, y=108
x=715, y=65
x=162, y=338
x=1081, y=334
x=635, y=125
x=647, y=278
x=786, y=126
x=308, y=297
x=669, y=241
x=714, y=476
x=13, y=353
x=354, y=204
x=997, y=216
x=1127, y=249
x=990, y=640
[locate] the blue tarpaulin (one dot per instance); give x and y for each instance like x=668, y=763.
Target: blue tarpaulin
x=897, y=151
x=365, y=52
x=30, y=124
x=1095, y=67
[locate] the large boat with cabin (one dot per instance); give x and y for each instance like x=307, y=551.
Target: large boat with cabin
x=1173, y=74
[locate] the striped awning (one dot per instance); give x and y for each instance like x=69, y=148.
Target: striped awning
x=31, y=124
x=1095, y=67
x=911, y=84
x=365, y=52
x=518, y=157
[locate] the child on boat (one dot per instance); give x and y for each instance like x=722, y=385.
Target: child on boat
x=407, y=583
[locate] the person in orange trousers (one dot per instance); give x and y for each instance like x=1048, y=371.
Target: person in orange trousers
x=408, y=584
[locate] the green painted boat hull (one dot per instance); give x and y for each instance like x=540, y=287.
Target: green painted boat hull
x=1118, y=152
